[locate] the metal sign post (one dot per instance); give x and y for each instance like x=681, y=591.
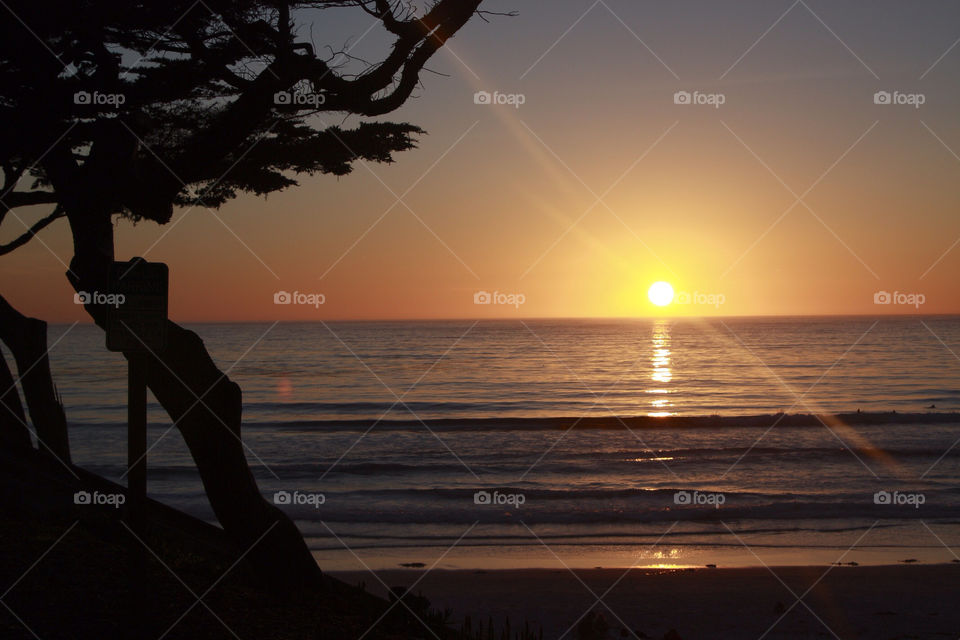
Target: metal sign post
x=137, y=326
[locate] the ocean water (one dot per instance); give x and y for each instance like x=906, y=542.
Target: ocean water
x=578, y=443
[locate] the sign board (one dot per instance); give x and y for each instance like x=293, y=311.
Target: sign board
x=137, y=320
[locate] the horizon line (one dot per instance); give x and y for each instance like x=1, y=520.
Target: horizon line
x=88, y=321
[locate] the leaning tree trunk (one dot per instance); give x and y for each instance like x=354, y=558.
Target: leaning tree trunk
x=206, y=407
x=27, y=340
x=13, y=423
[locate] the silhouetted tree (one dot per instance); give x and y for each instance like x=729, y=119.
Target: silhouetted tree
x=130, y=108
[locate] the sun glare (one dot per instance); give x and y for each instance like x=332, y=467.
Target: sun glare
x=660, y=293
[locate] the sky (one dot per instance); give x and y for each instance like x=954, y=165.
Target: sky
x=782, y=188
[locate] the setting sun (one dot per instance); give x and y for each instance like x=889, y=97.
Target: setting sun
x=660, y=293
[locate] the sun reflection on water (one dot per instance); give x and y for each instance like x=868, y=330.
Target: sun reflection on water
x=660, y=372
x=662, y=559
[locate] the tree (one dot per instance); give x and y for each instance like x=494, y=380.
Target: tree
x=118, y=108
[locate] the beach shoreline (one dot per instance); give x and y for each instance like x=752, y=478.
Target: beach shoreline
x=668, y=554
x=914, y=600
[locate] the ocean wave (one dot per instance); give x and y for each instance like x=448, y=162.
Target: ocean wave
x=620, y=463
x=316, y=545
x=633, y=422
x=504, y=534
x=562, y=423
x=617, y=512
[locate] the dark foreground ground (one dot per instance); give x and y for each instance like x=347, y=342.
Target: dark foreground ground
x=876, y=603
x=72, y=571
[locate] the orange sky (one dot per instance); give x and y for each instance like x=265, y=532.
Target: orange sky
x=505, y=199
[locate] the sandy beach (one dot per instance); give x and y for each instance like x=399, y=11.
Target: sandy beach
x=908, y=601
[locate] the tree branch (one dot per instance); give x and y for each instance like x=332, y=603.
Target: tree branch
x=28, y=199
x=28, y=235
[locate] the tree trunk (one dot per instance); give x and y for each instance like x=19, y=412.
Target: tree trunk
x=211, y=428
x=206, y=407
x=27, y=340
x=14, y=434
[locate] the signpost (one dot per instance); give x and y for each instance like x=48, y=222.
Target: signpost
x=137, y=326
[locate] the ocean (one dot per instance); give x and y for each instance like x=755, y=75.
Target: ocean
x=581, y=443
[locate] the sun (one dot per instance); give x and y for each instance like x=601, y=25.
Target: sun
x=660, y=293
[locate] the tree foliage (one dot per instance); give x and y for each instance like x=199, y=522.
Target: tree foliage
x=136, y=107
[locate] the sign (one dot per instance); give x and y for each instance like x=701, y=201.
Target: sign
x=137, y=323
